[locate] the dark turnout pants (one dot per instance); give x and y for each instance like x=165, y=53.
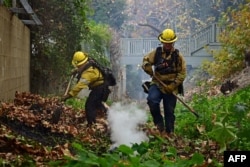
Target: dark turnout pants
x=169, y=102
x=94, y=103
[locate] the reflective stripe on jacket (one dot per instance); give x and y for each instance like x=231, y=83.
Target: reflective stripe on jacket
x=90, y=77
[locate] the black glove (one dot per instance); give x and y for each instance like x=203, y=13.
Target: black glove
x=161, y=66
x=146, y=85
x=66, y=97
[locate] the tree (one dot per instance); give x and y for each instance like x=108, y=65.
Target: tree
x=148, y=18
x=97, y=41
x=53, y=43
x=110, y=12
x=235, y=41
x=115, y=59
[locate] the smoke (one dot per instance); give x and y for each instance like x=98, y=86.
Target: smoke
x=123, y=121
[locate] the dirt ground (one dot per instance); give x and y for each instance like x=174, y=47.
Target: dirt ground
x=242, y=80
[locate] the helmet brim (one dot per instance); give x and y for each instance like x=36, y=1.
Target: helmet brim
x=165, y=41
x=75, y=64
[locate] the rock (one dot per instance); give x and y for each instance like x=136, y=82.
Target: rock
x=228, y=86
x=247, y=58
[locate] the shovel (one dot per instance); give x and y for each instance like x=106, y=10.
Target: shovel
x=58, y=111
x=67, y=90
x=185, y=104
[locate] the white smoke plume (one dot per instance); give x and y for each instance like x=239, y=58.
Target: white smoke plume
x=123, y=121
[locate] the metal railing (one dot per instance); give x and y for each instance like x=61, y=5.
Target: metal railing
x=138, y=47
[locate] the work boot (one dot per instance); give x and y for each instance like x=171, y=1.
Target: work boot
x=168, y=136
x=160, y=127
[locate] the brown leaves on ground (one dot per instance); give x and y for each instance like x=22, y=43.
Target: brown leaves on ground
x=47, y=125
x=44, y=128
x=186, y=147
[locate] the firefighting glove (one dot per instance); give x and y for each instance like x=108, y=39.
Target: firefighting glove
x=148, y=69
x=161, y=66
x=146, y=85
x=170, y=88
x=74, y=72
x=66, y=97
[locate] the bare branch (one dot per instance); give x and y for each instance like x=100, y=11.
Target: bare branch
x=151, y=26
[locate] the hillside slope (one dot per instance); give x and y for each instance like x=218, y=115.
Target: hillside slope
x=238, y=81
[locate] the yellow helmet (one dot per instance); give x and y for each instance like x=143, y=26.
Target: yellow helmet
x=79, y=58
x=167, y=36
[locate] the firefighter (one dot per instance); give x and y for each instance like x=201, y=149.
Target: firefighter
x=89, y=77
x=169, y=67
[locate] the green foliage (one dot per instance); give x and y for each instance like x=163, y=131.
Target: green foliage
x=223, y=65
x=223, y=134
x=7, y=3
x=226, y=119
x=139, y=155
x=185, y=124
x=53, y=43
x=109, y=12
x=236, y=32
x=100, y=35
x=97, y=42
x=76, y=103
x=235, y=41
x=65, y=30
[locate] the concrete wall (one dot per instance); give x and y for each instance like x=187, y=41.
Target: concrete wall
x=14, y=55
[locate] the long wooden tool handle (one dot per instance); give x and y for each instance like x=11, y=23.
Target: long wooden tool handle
x=185, y=104
x=67, y=90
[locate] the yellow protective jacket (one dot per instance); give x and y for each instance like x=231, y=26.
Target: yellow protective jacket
x=90, y=78
x=176, y=78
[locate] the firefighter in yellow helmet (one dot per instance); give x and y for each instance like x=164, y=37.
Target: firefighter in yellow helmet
x=166, y=64
x=79, y=58
x=89, y=77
